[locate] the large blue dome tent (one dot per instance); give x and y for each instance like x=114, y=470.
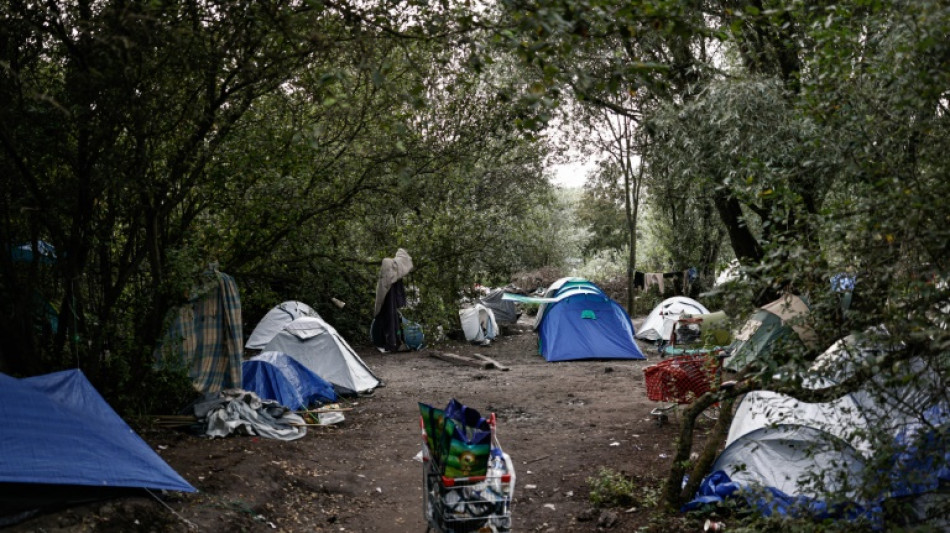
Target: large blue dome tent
x=577, y=320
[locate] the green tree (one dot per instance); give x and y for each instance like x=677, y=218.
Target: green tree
x=114, y=114
x=294, y=144
x=814, y=131
x=601, y=211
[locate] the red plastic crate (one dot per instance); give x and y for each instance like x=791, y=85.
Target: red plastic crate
x=680, y=379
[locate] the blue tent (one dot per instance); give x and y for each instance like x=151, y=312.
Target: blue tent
x=24, y=253
x=279, y=377
x=62, y=443
x=579, y=321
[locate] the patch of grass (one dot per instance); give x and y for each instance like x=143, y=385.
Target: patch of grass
x=611, y=489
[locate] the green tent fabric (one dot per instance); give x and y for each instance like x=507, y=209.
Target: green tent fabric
x=206, y=336
x=776, y=324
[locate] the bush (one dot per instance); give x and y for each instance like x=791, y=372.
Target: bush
x=610, y=489
x=165, y=391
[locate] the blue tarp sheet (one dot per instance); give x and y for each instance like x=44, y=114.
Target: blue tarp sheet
x=279, y=377
x=771, y=501
x=58, y=430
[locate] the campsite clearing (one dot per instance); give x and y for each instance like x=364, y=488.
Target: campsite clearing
x=560, y=422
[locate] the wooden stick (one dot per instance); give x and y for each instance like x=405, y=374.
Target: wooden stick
x=543, y=457
x=173, y=419
x=323, y=410
x=492, y=362
x=461, y=359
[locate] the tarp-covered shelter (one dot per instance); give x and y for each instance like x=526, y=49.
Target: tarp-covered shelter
x=390, y=297
x=275, y=320
x=774, y=325
x=577, y=320
x=478, y=324
x=45, y=253
x=505, y=311
x=279, y=377
x=46, y=315
x=661, y=320
x=317, y=345
x=786, y=456
x=63, y=444
x=205, y=335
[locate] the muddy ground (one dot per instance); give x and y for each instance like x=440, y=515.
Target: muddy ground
x=560, y=422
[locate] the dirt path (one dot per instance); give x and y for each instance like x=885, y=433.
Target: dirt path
x=560, y=422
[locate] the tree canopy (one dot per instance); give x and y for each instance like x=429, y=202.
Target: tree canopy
x=293, y=144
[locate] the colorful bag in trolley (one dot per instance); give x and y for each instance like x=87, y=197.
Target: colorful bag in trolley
x=459, y=439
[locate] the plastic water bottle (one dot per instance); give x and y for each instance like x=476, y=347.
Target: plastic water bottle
x=496, y=469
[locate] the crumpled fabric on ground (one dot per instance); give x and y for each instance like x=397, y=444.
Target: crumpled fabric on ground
x=240, y=411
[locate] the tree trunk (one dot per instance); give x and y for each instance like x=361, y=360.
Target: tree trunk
x=632, y=200
x=746, y=247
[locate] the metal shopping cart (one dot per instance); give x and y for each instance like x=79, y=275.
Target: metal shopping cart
x=683, y=378
x=479, y=504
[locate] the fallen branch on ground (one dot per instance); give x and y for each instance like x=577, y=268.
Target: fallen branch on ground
x=461, y=359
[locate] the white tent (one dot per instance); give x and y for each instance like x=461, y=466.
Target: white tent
x=779, y=443
x=316, y=345
x=660, y=322
x=275, y=320
x=478, y=324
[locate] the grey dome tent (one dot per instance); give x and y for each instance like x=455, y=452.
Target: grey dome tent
x=317, y=345
x=275, y=320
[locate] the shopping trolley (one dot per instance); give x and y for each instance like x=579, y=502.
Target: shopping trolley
x=683, y=378
x=479, y=504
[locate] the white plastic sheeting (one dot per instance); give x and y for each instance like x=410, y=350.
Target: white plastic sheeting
x=478, y=323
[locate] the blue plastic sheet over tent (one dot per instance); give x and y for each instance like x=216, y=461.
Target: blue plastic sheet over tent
x=889, y=436
x=578, y=321
x=58, y=431
x=279, y=377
